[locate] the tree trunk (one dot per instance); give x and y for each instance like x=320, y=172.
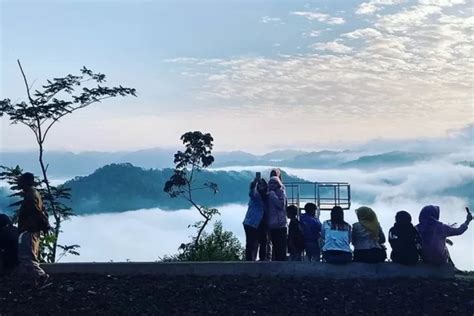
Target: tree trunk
x=57, y=218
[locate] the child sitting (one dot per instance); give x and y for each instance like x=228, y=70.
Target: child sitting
x=311, y=232
x=295, y=235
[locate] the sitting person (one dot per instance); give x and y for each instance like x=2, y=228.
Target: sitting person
x=8, y=245
x=312, y=232
x=433, y=235
x=295, y=235
x=368, y=237
x=336, y=238
x=404, y=240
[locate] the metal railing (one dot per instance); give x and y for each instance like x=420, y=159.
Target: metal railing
x=325, y=195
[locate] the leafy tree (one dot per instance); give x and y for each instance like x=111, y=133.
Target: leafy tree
x=196, y=156
x=220, y=245
x=60, y=194
x=45, y=107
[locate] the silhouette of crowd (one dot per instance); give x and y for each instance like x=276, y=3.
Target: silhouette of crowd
x=269, y=233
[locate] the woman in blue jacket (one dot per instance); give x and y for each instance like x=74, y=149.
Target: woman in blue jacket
x=254, y=224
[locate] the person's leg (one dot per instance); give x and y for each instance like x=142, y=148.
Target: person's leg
x=251, y=243
x=312, y=251
x=263, y=242
x=279, y=237
x=28, y=255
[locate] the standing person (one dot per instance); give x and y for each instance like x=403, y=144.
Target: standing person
x=295, y=235
x=433, y=235
x=368, y=237
x=32, y=220
x=254, y=225
x=336, y=238
x=8, y=245
x=404, y=240
x=312, y=232
x=276, y=218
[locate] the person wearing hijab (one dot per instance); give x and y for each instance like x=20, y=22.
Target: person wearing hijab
x=336, y=238
x=433, y=235
x=404, y=240
x=276, y=218
x=368, y=237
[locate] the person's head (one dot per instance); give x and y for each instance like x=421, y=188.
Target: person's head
x=291, y=211
x=365, y=213
x=26, y=180
x=262, y=186
x=274, y=184
x=310, y=209
x=337, y=216
x=429, y=213
x=4, y=220
x=276, y=172
x=403, y=218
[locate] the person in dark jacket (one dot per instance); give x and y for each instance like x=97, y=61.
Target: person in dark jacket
x=32, y=220
x=312, y=232
x=8, y=245
x=295, y=235
x=404, y=240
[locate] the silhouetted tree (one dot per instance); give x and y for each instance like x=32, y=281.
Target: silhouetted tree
x=45, y=107
x=196, y=156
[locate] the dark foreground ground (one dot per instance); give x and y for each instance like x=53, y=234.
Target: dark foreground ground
x=92, y=294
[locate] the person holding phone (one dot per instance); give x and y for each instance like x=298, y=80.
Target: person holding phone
x=433, y=234
x=254, y=224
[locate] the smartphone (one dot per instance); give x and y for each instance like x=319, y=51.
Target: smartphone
x=258, y=175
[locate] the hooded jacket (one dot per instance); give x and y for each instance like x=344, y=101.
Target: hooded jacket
x=433, y=235
x=256, y=208
x=276, y=217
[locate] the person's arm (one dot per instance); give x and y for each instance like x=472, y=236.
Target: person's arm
x=454, y=231
x=352, y=235
x=253, y=189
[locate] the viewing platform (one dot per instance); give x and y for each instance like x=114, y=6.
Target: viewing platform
x=256, y=269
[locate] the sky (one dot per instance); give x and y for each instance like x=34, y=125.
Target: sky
x=258, y=75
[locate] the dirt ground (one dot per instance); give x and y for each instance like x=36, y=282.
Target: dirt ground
x=155, y=295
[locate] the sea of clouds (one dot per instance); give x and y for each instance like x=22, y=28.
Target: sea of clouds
x=148, y=235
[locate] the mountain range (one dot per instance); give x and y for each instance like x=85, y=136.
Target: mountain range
x=64, y=165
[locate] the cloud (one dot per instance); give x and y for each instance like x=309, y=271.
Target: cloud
x=369, y=8
x=266, y=20
x=334, y=47
x=442, y=3
x=320, y=17
x=409, y=67
x=147, y=235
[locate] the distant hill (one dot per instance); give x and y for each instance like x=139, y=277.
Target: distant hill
x=390, y=159
x=123, y=187
x=67, y=165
